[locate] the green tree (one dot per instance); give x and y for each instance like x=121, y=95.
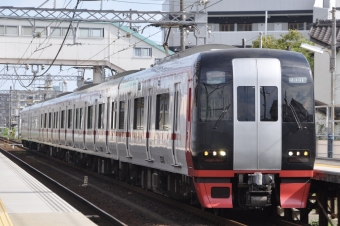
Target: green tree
x=293, y=39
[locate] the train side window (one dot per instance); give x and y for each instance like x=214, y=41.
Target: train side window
x=121, y=114
x=89, y=117
x=41, y=120
x=268, y=103
x=50, y=120
x=62, y=120
x=162, y=111
x=69, y=119
x=45, y=121
x=101, y=116
x=138, y=115
x=56, y=120
x=77, y=118
x=81, y=116
x=114, y=115
x=246, y=103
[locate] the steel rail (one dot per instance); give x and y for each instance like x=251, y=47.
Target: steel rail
x=114, y=221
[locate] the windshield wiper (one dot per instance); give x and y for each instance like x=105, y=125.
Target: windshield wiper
x=294, y=114
x=221, y=116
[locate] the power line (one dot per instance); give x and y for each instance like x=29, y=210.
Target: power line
x=59, y=48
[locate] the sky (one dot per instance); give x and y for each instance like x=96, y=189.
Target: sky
x=139, y=5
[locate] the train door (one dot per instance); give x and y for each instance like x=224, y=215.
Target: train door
x=74, y=122
x=52, y=126
x=40, y=126
x=175, y=126
x=66, y=123
x=257, y=114
x=84, y=126
x=128, y=134
x=107, y=125
x=29, y=126
x=47, y=125
x=59, y=125
x=95, y=126
x=148, y=127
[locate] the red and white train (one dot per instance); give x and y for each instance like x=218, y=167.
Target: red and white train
x=226, y=128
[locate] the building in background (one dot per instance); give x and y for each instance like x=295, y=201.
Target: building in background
x=230, y=21
x=15, y=100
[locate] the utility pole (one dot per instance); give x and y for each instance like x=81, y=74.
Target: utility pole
x=332, y=69
x=182, y=27
x=10, y=108
x=130, y=17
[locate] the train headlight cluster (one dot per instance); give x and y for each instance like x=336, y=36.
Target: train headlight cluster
x=298, y=156
x=215, y=156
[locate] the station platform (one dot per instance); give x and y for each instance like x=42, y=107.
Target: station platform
x=25, y=201
x=328, y=170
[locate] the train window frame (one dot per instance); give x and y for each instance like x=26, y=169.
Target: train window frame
x=101, y=110
x=242, y=115
x=81, y=116
x=62, y=119
x=121, y=115
x=161, y=123
x=90, y=117
x=56, y=120
x=273, y=117
x=45, y=120
x=77, y=118
x=49, y=119
x=69, y=119
x=297, y=96
x=114, y=115
x=41, y=120
x=138, y=113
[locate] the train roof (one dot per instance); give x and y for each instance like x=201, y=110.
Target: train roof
x=287, y=58
x=224, y=56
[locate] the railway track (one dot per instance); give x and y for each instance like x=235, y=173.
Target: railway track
x=248, y=219
x=69, y=194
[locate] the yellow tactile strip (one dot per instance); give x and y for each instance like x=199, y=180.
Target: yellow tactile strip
x=326, y=165
x=4, y=218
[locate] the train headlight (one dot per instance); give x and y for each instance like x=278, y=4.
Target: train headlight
x=215, y=156
x=298, y=156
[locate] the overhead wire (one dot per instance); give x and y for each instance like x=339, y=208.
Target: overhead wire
x=130, y=44
x=74, y=12
x=48, y=37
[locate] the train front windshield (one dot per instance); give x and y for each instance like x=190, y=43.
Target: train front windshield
x=215, y=94
x=297, y=95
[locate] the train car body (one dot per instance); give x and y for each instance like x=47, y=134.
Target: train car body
x=228, y=127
